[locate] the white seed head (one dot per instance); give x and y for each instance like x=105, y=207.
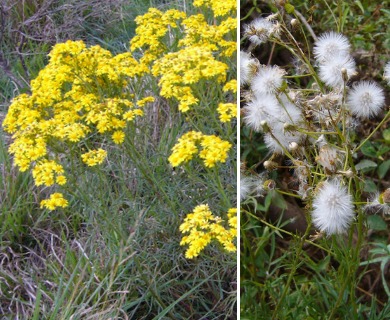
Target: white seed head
x=365, y=99
x=267, y=80
x=330, y=45
x=259, y=110
x=333, y=209
x=248, y=67
x=330, y=71
x=258, y=31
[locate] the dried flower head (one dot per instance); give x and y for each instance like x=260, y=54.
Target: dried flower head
x=332, y=208
x=377, y=203
x=365, y=99
x=259, y=30
x=330, y=158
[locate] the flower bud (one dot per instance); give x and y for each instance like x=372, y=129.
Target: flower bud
x=270, y=165
x=269, y=185
x=293, y=146
x=294, y=23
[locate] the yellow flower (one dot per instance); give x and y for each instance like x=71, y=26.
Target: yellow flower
x=202, y=227
x=185, y=149
x=56, y=200
x=227, y=111
x=94, y=157
x=220, y=8
x=118, y=137
x=46, y=171
x=214, y=150
x=144, y=101
x=230, y=86
x=184, y=67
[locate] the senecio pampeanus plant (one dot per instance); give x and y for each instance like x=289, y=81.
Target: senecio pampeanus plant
x=86, y=96
x=312, y=127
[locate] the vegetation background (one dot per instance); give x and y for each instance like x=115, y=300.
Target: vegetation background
x=283, y=274
x=118, y=257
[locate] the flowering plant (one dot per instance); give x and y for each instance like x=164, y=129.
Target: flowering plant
x=87, y=100
x=314, y=127
x=305, y=103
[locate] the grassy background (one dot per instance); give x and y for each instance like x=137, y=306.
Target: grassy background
x=284, y=275
x=114, y=253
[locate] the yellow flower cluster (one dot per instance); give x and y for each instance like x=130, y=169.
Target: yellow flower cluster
x=94, y=157
x=220, y=8
x=180, y=69
x=198, y=32
x=151, y=30
x=227, y=111
x=213, y=149
x=231, y=86
x=82, y=91
x=48, y=172
x=55, y=200
x=196, y=56
x=203, y=227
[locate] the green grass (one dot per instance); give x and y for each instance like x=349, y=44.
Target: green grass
x=114, y=253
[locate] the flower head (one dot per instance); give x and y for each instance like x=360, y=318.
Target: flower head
x=379, y=203
x=330, y=45
x=267, y=80
x=259, y=30
x=331, y=71
x=332, y=208
x=365, y=99
x=259, y=110
x=248, y=67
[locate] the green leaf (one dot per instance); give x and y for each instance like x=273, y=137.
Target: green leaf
x=383, y=168
x=370, y=186
x=368, y=149
x=289, y=8
x=365, y=165
x=376, y=223
x=359, y=4
x=386, y=135
x=382, y=149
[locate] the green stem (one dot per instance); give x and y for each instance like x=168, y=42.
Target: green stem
x=387, y=117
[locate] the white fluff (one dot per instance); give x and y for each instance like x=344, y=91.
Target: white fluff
x=267, y=80
x=333, y=209
x=330, y=45
x=365, y=99
x=330, y=71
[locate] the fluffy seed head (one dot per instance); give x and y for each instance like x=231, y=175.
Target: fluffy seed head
x=267, y=80
x=251, y=185
x=259, y=30
x=330, y=45
x=330, y=71
x=248, y=67
x=332, y=208
x=365, y=99
x=260, y=110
